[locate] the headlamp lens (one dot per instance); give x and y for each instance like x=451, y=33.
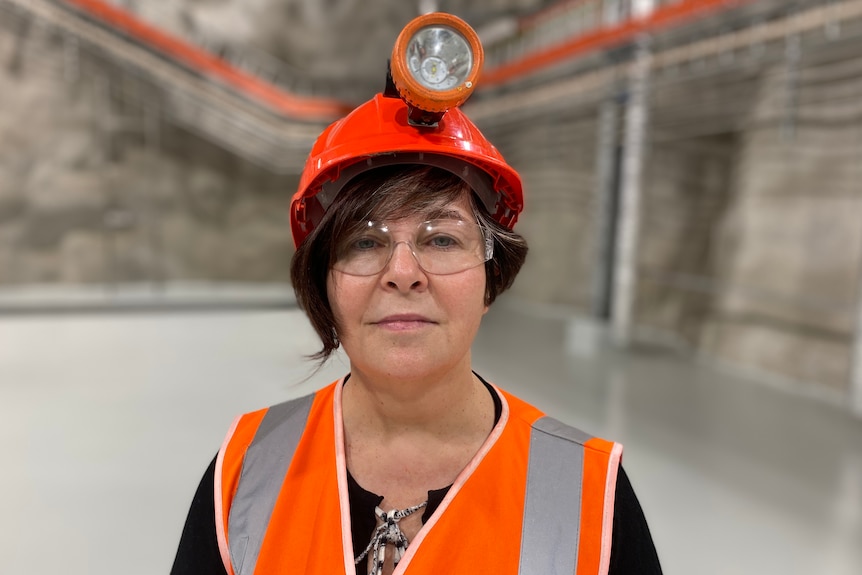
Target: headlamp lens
x=439, y=58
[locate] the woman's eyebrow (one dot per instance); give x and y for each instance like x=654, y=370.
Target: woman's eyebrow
x=444, y=214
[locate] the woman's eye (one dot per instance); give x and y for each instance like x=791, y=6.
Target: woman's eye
x=443, y=242
x=364, y=244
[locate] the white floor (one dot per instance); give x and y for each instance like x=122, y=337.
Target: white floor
x=108, y=420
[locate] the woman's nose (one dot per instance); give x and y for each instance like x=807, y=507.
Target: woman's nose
x=403, y=270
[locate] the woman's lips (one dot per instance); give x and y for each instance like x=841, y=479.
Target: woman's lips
x=402, y=322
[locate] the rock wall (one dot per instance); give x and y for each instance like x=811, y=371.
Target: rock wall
x=752, y=239
x=798, y=227
x=556, y=156
x=95, y=191
x=688, y=193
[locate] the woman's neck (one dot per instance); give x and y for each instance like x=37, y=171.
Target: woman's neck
x=404, y=442
x=450, y=405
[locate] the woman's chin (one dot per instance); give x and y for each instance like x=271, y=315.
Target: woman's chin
x=404, y=367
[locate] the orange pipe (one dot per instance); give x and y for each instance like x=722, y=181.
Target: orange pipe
x=305, y=108
x=662, y=17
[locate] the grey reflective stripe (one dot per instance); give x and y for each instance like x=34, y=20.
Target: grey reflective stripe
x=263, y=469
x=552, y=506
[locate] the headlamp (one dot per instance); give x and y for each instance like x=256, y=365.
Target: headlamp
x=435, y=63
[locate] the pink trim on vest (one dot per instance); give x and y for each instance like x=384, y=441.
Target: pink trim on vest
x=341, y=473
x=456, y=486
x=608, y=517
x=224, y=549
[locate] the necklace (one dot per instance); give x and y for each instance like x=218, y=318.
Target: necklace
x=388, y=532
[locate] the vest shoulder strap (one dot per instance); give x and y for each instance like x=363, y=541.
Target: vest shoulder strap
x=568, y=505
x=265, y=464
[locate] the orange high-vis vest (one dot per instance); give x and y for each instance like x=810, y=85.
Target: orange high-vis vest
x=537, y=498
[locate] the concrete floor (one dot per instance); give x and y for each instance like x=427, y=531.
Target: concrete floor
x=107, y=421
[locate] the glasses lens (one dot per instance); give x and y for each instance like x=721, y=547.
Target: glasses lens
x=365, y=250
x=440, y=247
x=439, y=58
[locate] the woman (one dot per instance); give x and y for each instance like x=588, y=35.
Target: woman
x=412, y=463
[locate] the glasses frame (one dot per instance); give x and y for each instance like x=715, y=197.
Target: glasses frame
x=487, y=240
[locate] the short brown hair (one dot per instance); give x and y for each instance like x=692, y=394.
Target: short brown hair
x=390, y=192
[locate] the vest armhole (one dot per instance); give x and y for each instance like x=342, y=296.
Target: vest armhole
x=218, y=494
x=601, y=466
x=227, y=473
x=614, y=460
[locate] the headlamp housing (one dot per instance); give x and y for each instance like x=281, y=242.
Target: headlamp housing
x=435, y=63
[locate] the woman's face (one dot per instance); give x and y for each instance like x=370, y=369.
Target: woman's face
x=404, y=322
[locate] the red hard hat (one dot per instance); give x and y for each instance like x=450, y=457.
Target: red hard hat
x=377, y=133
